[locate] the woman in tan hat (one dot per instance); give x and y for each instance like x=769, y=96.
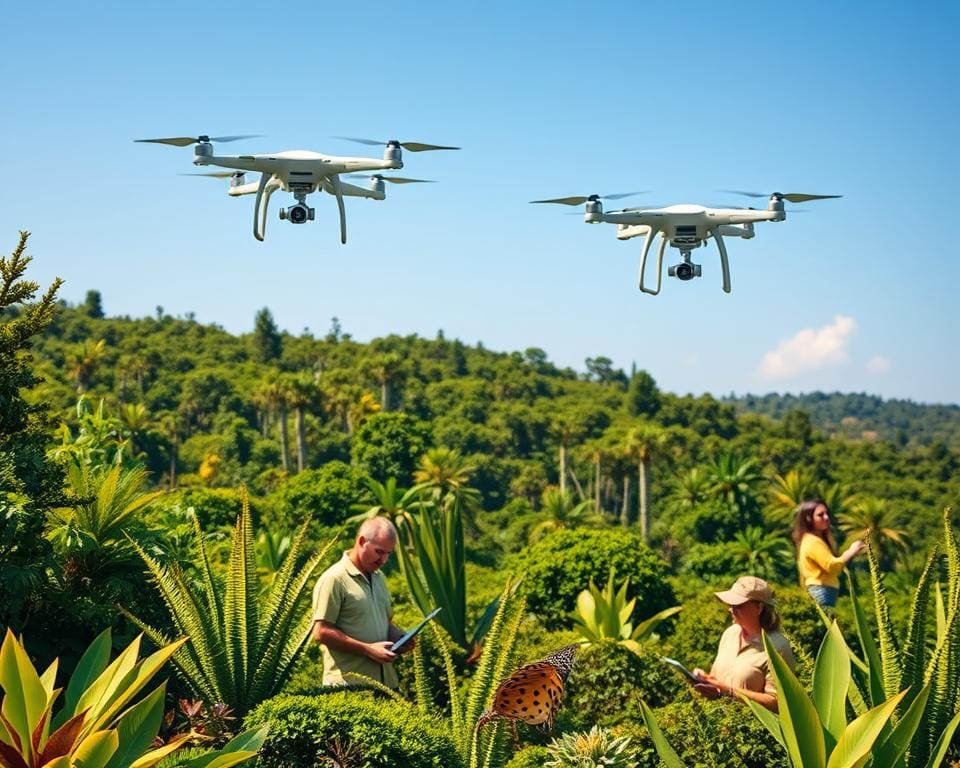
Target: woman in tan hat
x=742, y=668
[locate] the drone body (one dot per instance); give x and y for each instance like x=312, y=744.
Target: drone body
x=300, y=172
x=684, y=227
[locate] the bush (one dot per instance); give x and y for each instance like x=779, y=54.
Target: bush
x=559, y=566
x=323, y=495
x=712, y=562
x=215, y=507
x=697, y=631
x=608, y=676
x=373, y=731
x=389, y=444
x=529, y=757
x=708, y=734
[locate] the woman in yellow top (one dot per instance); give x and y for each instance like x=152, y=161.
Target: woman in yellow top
x=819, y=565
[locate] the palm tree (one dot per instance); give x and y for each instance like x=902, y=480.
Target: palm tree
x=301, y=392
x=136, y=418
x=642, y=444
x=559, y=511
x=734, y=480
x=386, y=369
x=388, y=500
x=689, y=490
x=786, y=493
x=110, y=500
x=271, y=396
x=872, y=516
x=761, y=553
x=445, y=474
x=82, y=362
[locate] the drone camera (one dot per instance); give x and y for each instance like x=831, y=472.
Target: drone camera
x=685, y=270
x=297, y=214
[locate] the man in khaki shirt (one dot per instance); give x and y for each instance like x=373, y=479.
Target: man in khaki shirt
x=352, y=613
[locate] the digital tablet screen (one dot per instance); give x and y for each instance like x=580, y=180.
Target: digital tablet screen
x=682, y=669
x=413, y=632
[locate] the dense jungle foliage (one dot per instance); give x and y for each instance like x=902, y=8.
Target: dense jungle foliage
x=125, y=443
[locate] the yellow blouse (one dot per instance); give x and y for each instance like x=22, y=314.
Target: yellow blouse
x=817, y=564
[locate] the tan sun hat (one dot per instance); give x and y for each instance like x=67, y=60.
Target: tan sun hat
x=747, y=588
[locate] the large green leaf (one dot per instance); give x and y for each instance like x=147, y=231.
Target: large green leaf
x=138, y=727
x=869, y=645
x=88, y=669
x=770, y=721
x=668, y=756
x=854, y=746
x=26, y=699
x=802, y=731
x=96, y=749
x=891, y=748
x=831, y=678
x=241, y=747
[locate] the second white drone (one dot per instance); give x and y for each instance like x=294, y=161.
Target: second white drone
x=300, y=172
x=684, y=227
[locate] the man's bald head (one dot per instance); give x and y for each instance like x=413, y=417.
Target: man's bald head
x=377, y=528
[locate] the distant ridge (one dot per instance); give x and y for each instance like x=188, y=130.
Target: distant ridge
x=859, y=416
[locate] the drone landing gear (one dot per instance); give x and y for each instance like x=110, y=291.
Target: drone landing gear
x=260, y=231
x=643, y=259
x=724, y=264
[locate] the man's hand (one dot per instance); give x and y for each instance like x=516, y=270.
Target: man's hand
x=380, y=652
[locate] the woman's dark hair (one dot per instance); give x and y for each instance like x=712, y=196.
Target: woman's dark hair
x=769, y=618
x=804, y=524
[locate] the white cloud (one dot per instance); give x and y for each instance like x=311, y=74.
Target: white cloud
x=878, y=364
x=809, y=350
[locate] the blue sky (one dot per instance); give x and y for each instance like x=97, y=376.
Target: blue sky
x=547, y=100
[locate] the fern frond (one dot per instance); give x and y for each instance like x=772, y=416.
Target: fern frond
x=240, y=602
x=915, y=646
x=484, y=682
x=211, y=593
x=458, y=726
x=940, y=671
x=952, y=551
x=420, y=681
x=889, y=652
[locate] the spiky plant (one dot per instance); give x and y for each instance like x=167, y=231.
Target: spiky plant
x=596, y=748
x=243, y=643
x=915, y=663
x=478, y=749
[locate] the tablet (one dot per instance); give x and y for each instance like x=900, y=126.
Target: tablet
x=413, y=632
x=691, y=678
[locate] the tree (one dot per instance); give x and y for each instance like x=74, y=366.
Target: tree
x=300, y=392
x=30, y=485
x=642, y=444
x=786, y=493
x=874, y=517
x=389, y=444
x=558, y=510
x=82, y=362
x=93, y=305
x=734, y=481
x=267, y=341
x=643, y=396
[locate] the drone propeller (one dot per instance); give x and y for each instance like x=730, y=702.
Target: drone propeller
x=215, y=174
x=793, y=197
x=186, y=141
x=412, y=146
x=581, y=199
x=391, y=179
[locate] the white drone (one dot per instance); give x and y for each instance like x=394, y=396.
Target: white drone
x=300, y=172
x=684, y=227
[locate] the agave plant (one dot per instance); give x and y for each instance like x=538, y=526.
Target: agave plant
x=605, y=615
x=912, y=661
x=97, y=727
x=243, y=642
x=597, y=748
x=476, y=748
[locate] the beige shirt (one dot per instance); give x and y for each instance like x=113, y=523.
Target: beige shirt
x=818, y=565
x=742, y=664
x=359, y=607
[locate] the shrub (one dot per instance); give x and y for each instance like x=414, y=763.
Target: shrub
x=377, y=732
x=712, y=562
x=324, y=495
x=559, y=566
x=608, y=676
x=529, y=757
x=708, y=734
x=215, y=507
x=597, y=748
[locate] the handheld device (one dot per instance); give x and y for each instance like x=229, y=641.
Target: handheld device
x=691, y=678
x=413, y=632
